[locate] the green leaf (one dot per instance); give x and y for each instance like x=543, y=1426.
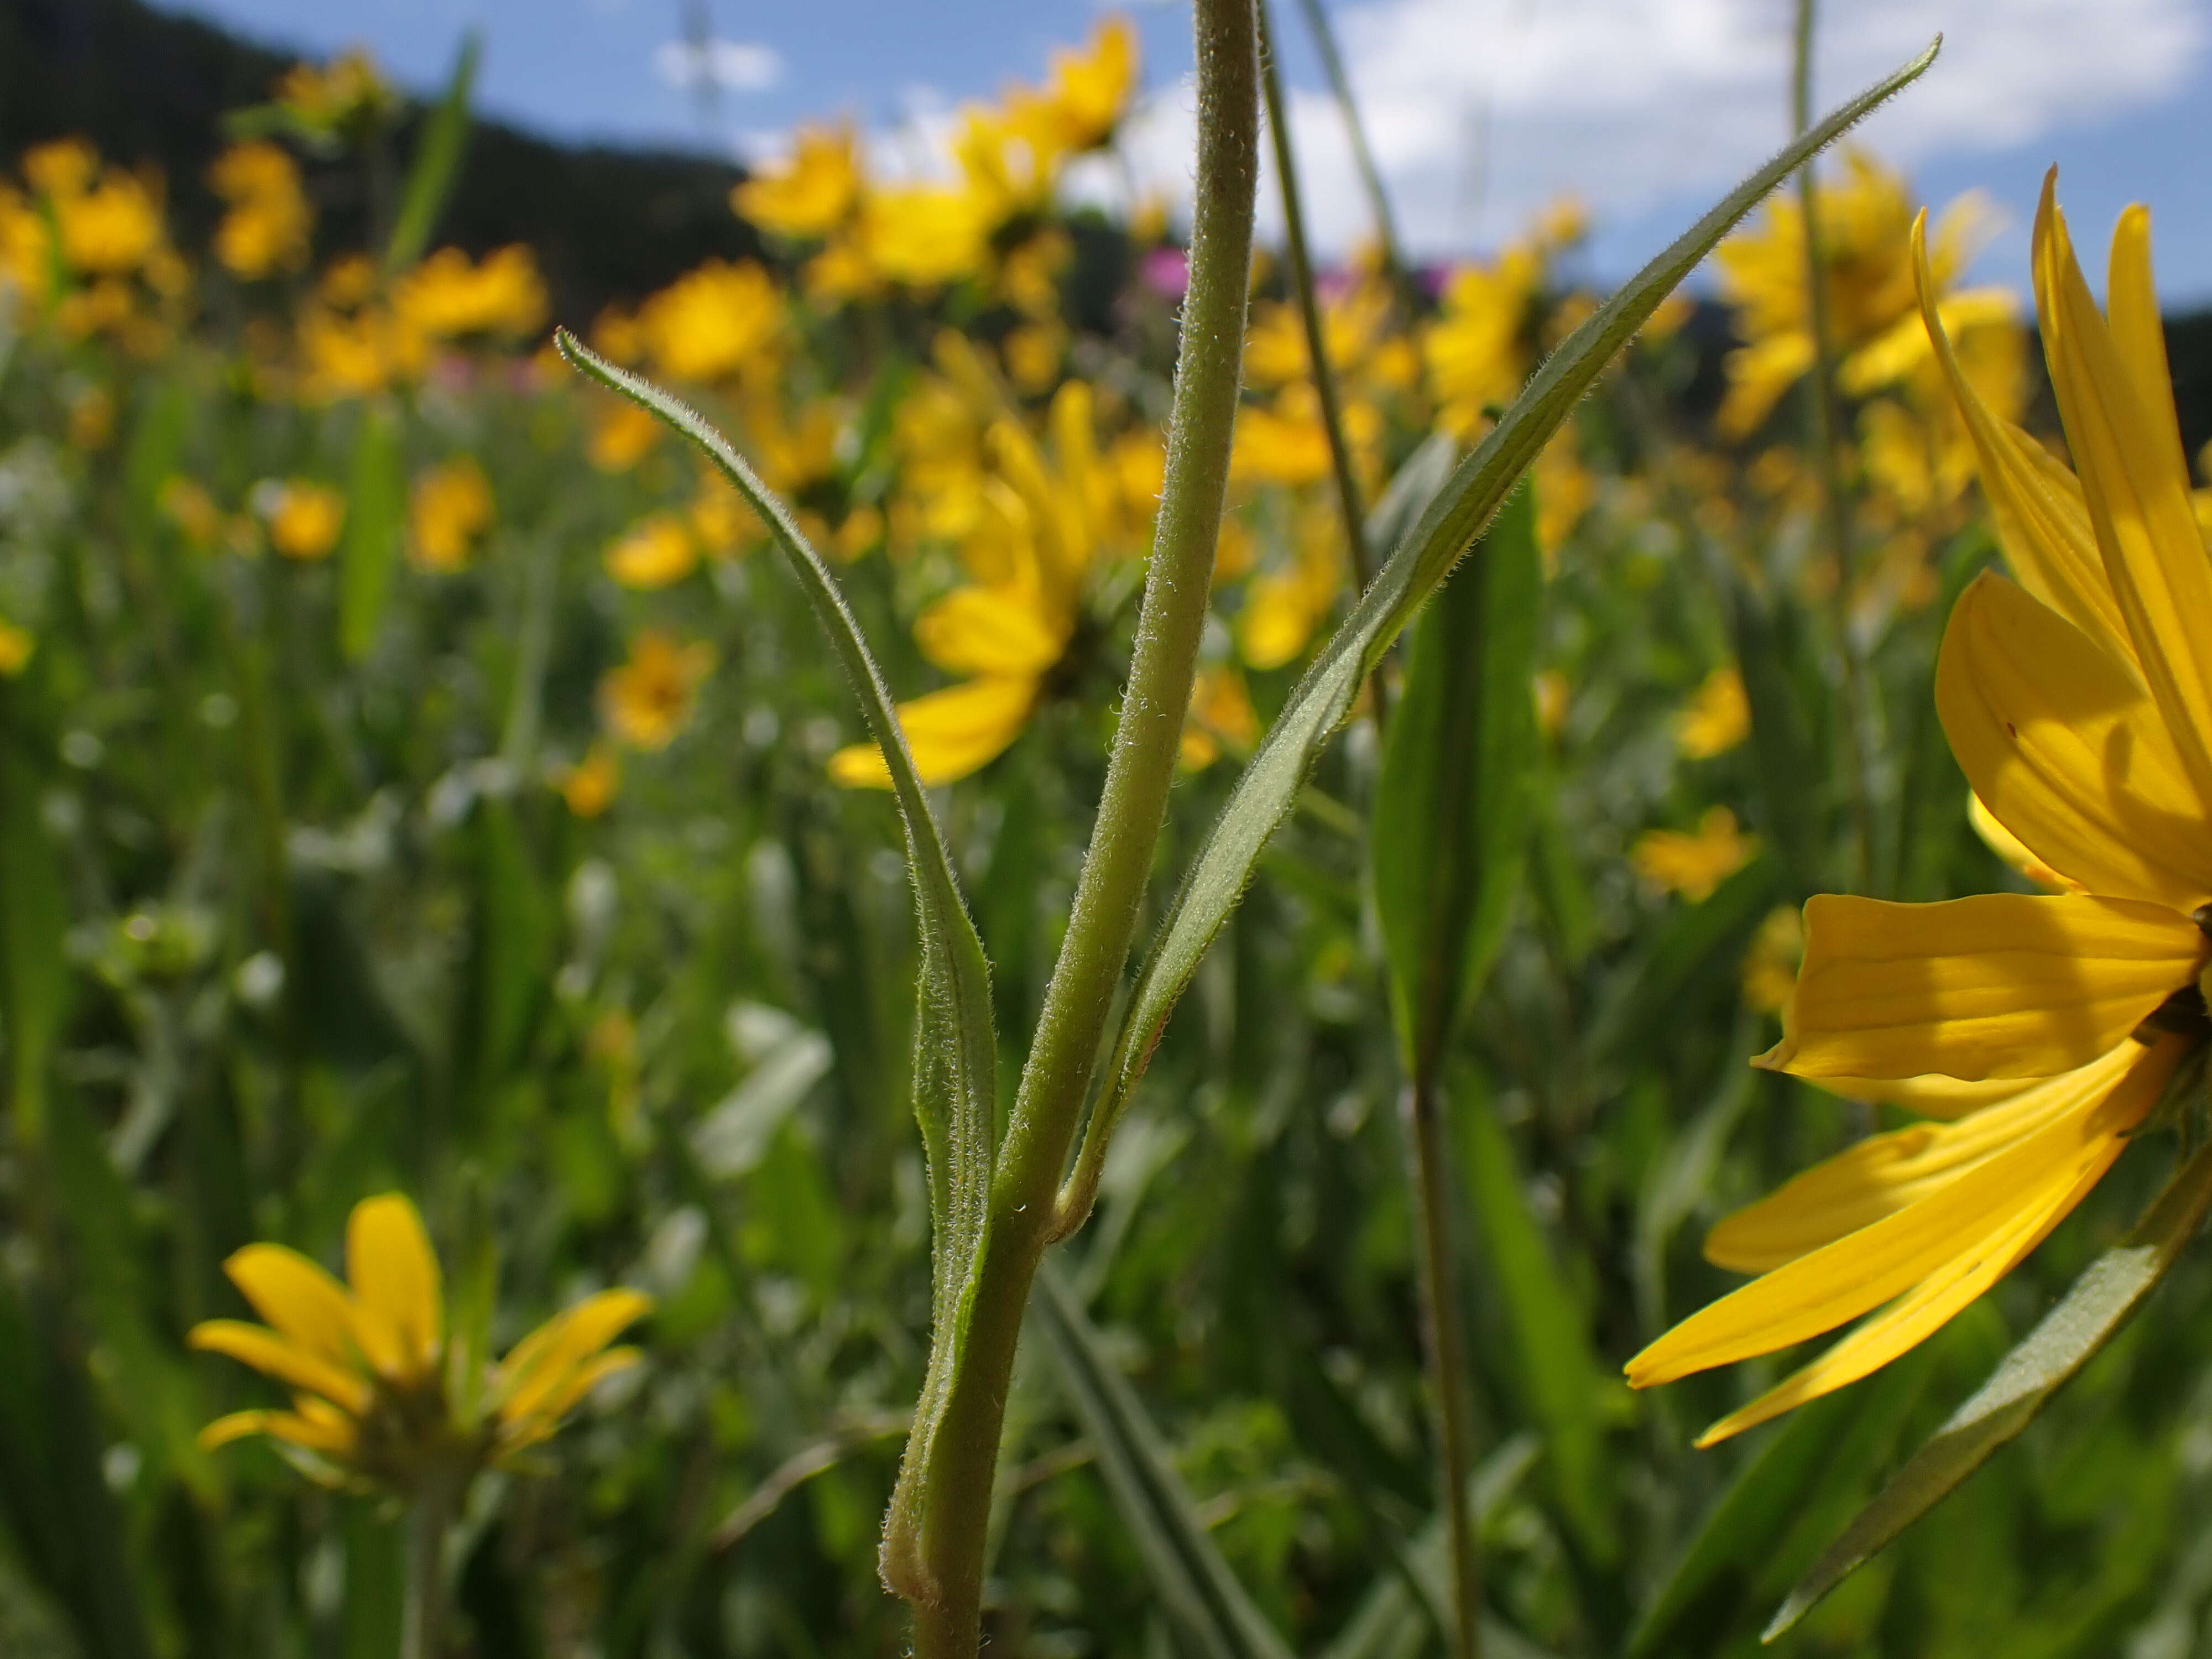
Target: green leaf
x=1697, y=938
x=1554, y=1369
x=376, y=513
x=34, y=978
x=2101, y=1301
x=1815, y=1463
x=1202, y=1597
x=1787, y=810
x=1269, y=786
x=437, y=162
x=510, y=952
x=955, y=1058
x=1452, y=803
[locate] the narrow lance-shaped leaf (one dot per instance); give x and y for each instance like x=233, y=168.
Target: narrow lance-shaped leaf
x=376, y=513
x=1451, y=807
x=2101, y=1301
x=955, y=1054
x=437, y=162
x=35, y=978
x=1201, y=1596
x=1269, y=786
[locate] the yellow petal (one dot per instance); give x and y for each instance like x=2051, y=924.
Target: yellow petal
x=545, y=1417
x=1919, y=1314
x=2000, y=985
x=2042, y=522
x=990, y=631
x=542, y=1362
x=271, y=1354
x=2138, y=489
x=396, y=1282
x=951, y=733
x=2060, y=743
x=236, y=1426
x=1929, y=1096
x=1996, y=1208
x=1885, y=1173
x=2139, y=335
x=2015, y=851
x=297, y=1298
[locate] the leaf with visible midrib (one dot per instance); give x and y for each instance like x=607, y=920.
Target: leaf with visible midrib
x=2068, y=1338
x=1203, y=1598
x=956, y=1057
x=1269, y=786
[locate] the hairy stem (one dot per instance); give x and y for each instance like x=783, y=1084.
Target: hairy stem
x=1444, y=1339
x=1102, y=922
x=1835, y=510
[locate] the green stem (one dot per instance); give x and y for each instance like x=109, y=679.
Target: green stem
x=1363, y=158
x=1302, y=279
x=423, y=1616
x=1835, y=511
x=1103, y=921
x=1444, y=1337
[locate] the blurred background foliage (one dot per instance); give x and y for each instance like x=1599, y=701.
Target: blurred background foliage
x=414, y=775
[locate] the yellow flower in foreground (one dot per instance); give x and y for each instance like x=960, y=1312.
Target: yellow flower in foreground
x=303, y=519
x=449, y=507
x=1695, y=862
x=1717, y=718
x=378, y=1394
x=2078, y=702
x=655, y=552
x=646, y=701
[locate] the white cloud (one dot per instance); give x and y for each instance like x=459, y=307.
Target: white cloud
x=1482, y=111
x=731, y=65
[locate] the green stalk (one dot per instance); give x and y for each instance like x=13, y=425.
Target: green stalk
x=1102, y=922
x=1363, y=158
x=1444, y=1337
x=423, y=1615
x=1302, y=279
x=1835, y=511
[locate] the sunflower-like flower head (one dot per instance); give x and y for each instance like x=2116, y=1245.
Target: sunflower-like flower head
x=2040, y=1031
x=381, y=1396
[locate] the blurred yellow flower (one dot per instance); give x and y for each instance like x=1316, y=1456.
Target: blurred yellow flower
x=712, y=322
x=1769, y=966
x=112, y=228
x=343, y=97
x=448, y=297
x=922, y=235
x=1033, y=354
x=1553, y=692
x=1084, y=100
x=303, y=519
x=265, y=227
x=1717, y=718
x=623, y=434
x=1221, y=718
x=646, y=701
x=191, y=509
x=1695, y=862
x=449, y=507
x=809, y=194
x=16, y=645
x=589, y=786
x=1283, y=608
x=1478, y=347
x=2078, y=704
x=654, y=552
x=382, y=1396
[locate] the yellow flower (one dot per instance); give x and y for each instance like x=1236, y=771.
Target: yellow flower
x=1477, y=350
x=646, y=701
x=265, y=229
x=448, y=297
x=1694, y=863
x=1221, y=717
x=712, y=322
x=2078, y=702
x=1282, y=608
x=1552, y=692
x=303, y=519
x=655, y=552
x=16, y=645
x=589, y=786
x=811, y=194
x=922, y=235
x=1717, y=718
x=449, y=507
x=345, y=95
x=191, y=509
x=1868, y=282
x=112, y=228
x=1042, y=522
x=1769, y=966
x=379, y=1396
x=621, y=435
x=1033, y=354
x=1089, y=92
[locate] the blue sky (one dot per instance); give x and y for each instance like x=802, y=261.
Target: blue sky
x=1483, y=109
